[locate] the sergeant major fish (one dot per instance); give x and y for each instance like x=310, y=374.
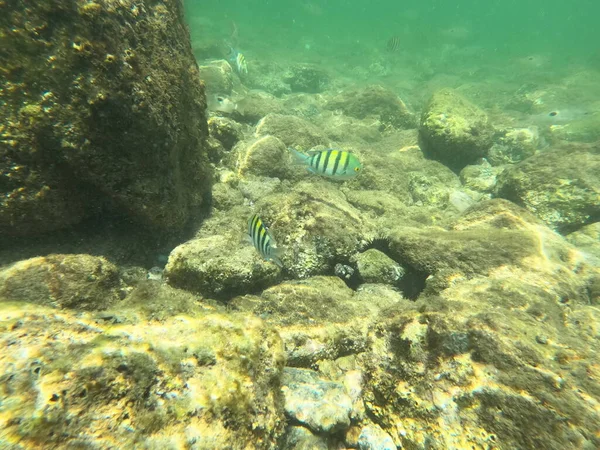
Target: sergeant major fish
x=239, y=60
x=263, y=241
x=337, y=164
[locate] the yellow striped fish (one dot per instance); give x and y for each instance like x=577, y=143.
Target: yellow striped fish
x=240, y=62
x=263, y=241
x=338, y=164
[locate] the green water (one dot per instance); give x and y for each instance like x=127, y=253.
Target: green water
x=336, y=32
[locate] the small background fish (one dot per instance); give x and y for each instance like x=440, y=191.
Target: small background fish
x=238, y=60
x=263, y=241
x=393, y=43
x=338, y=164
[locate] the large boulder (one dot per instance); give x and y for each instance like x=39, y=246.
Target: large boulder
x=210, y=380
x=560, y=186
x=102, y=106
x=374, y=102
x=64, y=281
x=454, y=131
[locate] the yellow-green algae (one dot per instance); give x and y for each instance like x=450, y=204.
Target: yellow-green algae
x=210, y=380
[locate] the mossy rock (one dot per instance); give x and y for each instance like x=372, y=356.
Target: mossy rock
x=291, y=130
x=81, y=282
x=103, y=109
x=560, y=186
x=454, y=131
x=374, y=101
x=210, y=381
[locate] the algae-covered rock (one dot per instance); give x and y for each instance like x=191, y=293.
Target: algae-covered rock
x=257, y=104
x=209, y=381
x=292, y=130
x=104, y=107
x=560, y=186
x=376, y=267
x=306, y=78
x=374, y=101
x=454, y=131
x=513, y=146
x=319, y=318
x=219, y=268
x=587, y=239
x=217, y=76
x=316, y=225
x=584, y=129
x=322, y=405
x=265, y=156
x=479, y=177
x=372, y=437
x=300, y=438
x=82, y=282
x=225, y=130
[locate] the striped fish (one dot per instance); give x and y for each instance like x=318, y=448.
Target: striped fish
x=338, y=164
x=263, y=241
x=393, y=44
x=240, y=62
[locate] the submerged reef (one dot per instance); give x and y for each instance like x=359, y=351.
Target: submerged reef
x=445, y=296
x=102, y=109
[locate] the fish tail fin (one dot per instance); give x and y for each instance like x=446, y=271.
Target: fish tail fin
x=299, y=157
x=276, y=254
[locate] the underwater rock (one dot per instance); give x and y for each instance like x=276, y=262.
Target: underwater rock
x=428, y=191
x=376, y=267
x=473, y=251
x=513, y=146
x=300, y=438
x=406, y=174
x=265, y=156
x=480, y=177
x=341, y=128
x=104, y=108
x=372, y=437
x=268, y=76
x=219, y=267
x=322, y=405
x=319, y=318
x=208, y=381
x=315, y=224
x=255, y=105
x=587, y=239
x=454, y=131
x=560, y=186
x=292, y=130
x=225, y=130
x=306, y=78
x=217, y=77
x=225, y=196
x=374, y=101
x=581, y=129
x=81, y=282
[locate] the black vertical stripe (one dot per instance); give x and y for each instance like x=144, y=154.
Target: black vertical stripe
x=316, y=166
x=255, y=231
x=346, y=163
x=251, y=225
x=311, y=162
x=264, y=239
x=336, y=163
x=326, y=160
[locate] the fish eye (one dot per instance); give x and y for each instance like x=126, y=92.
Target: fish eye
x=553, y=113
x=357, y=169
x=220, y=99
